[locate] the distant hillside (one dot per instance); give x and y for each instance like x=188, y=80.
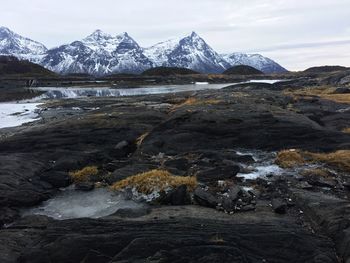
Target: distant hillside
x=11, y=66
x=325, y=69
x=168, y=71
x=242, y=70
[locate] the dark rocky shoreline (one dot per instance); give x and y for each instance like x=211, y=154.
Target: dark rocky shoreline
x=290, y=218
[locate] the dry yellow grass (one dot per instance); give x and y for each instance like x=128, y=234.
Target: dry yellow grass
x=217, y=239
x=289, y=158
x=324, y=92
x=318, y=172
x=140, y=139
x=84, y=174
x=346, y=130
x=155, y=180
x=339, y=159
x=196, y=102
x=340, y=98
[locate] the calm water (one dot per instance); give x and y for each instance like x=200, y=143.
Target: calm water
x=59, y=92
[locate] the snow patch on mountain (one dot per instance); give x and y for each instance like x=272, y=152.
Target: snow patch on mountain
x=257, y=61
x=21, y=47
x=189, y=52
x=98, y=53
x=101, y=53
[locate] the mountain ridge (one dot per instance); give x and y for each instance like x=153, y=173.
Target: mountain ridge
x=101, y=53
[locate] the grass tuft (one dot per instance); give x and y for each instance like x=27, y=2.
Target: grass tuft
x=155, y=180
x=316, y=172
x=141, y=138
x=339, y=159
x=346, y=130
x=84, y=174
x=289, y=158
x=196, y=102
x=323, y=92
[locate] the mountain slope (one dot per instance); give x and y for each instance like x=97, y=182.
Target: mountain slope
x=242, y=70
x=168, y=71
x=21, y=47
x=190, y=52
x=10, y=65
x=257, y=61
x=99, y=53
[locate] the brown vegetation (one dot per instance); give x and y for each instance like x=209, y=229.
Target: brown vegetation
x=323, y=92
x=155, y=180
x=141, y=138
x=84, y=174
x=290, y=158
x=346, y=130
x=316, y=172
x=339, y=159
x=196, y=102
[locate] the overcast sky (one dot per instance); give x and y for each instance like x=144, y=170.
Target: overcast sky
x=296, y=33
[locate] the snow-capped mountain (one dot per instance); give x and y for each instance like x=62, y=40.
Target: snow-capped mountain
x=99, y=53
x=257, y=61
x=189, y=52
x=21, y=47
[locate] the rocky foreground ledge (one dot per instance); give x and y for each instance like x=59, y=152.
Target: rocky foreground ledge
x=300, y=214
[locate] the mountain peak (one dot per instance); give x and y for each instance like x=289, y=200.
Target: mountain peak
x=125, y=34
x=194, y=34
x=3, y=28
x=99, y=34
x=4, y=31
x=101, y=53
x=19, y=46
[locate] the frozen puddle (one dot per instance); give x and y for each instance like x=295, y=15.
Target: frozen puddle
x=76, y=204
x=14, y=114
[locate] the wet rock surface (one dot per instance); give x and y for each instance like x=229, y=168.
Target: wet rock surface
x=180, y=240
x=213, y=135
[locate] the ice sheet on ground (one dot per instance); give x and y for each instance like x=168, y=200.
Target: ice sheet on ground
x=14, y=114
x=77, y=204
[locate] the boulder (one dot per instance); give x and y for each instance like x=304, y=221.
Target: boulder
x=279, y=206
x=218, y=173
x=205, y=198
x=84, y=186
x=177, y=196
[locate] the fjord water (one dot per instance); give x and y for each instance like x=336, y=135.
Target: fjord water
x=59, y=93
x=14, y=114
